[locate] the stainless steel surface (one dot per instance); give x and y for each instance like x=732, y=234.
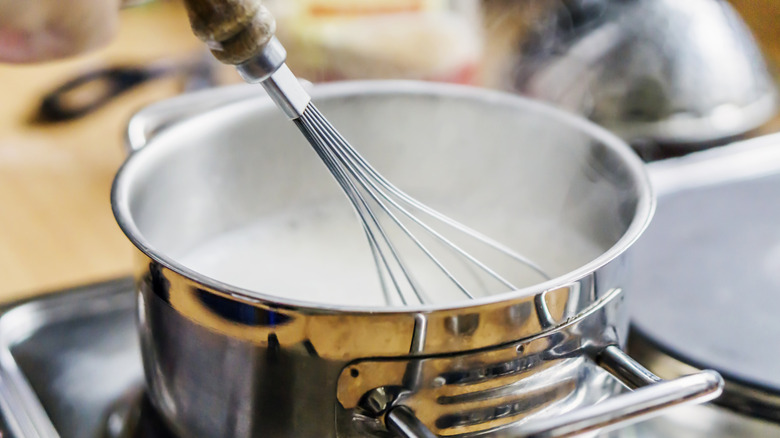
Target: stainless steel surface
x=288, y=94
x=552, y=398
x=269, y=69
x=158, y=116
x=222, y=360
x=663, y=71
x=402, y=422
x=631, y=373
x=714, y=248
x=485, y=391
x=640, y=404
x=121, y=410
x=65, y=358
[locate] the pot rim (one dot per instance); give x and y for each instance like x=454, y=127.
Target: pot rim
x=643, y=213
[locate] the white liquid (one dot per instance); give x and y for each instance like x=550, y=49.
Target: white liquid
x=314, y=255
x=321, y=255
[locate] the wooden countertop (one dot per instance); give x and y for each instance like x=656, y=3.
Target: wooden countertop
x=56, y=226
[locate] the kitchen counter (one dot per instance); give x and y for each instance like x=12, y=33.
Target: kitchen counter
x=56, y=226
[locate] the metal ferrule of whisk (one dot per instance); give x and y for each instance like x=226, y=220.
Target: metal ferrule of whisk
x=269, y=69
x=241, y=33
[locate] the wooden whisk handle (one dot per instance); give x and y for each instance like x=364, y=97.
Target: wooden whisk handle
x=234, y=30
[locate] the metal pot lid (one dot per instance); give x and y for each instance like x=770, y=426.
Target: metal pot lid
x=609, y=62
x=706, y=289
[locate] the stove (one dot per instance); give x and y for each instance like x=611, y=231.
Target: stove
x=70, y=363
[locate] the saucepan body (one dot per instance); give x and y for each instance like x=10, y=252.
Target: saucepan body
x=256, y=318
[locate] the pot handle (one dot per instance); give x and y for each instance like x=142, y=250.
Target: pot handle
x=146, y=123
x=623, y=409
x=156, y=117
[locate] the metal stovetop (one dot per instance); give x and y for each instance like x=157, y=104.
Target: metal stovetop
x=66, y=358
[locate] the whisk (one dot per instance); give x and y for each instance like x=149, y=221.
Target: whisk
x=415, y=248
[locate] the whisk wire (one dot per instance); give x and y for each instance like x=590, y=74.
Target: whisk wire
x=447, y=220
x=343, y=150
x=363, y=185
x=366, y=188
x=359, y=203
x=326, y=153
x=360, y=167
x=363, y=165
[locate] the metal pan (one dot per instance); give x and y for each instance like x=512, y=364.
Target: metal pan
x=227, y=360
x=714, y=247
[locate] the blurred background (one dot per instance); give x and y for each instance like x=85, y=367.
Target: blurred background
x=669, y=79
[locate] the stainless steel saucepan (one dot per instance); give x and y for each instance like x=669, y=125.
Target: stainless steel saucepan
x=261, y=336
